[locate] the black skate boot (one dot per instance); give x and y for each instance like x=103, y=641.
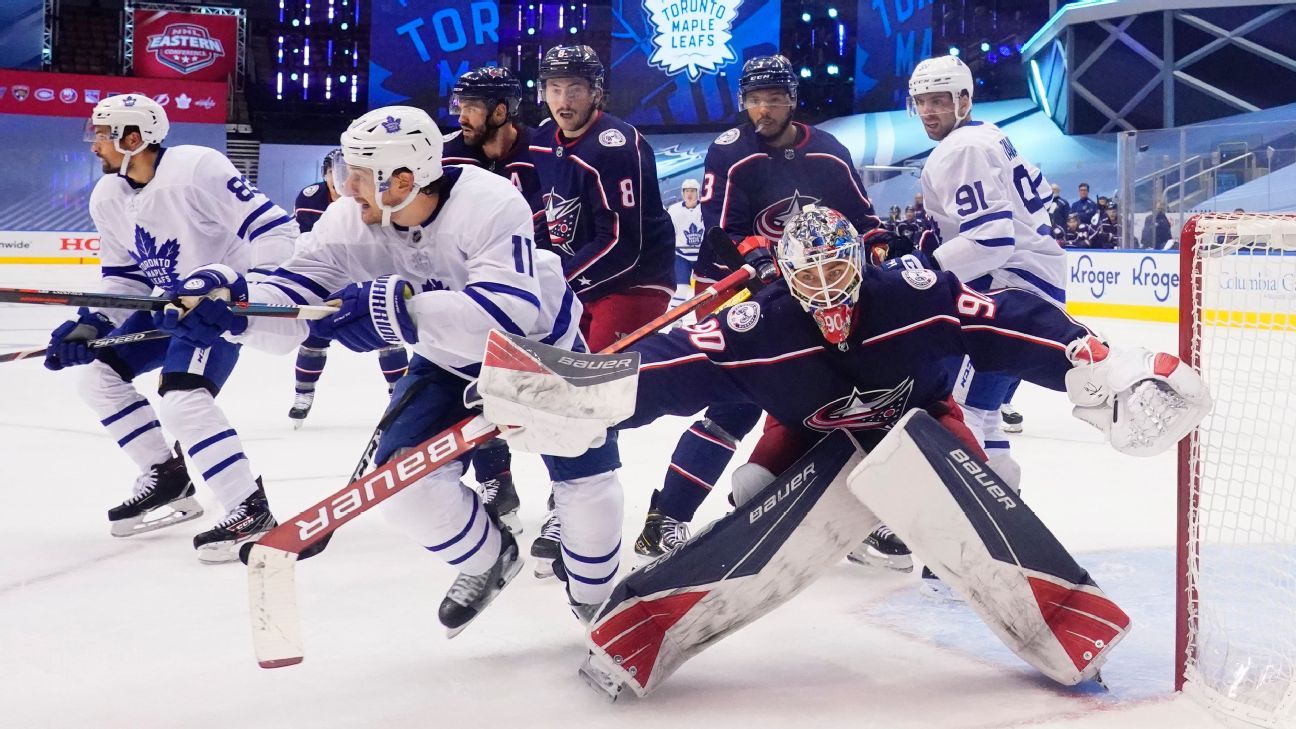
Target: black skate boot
x=165, y=485
x=661, y=533
x=1012, y=420
x=470, y=594
x=546, y=547
x=584, y=611
x=301, y=408
x=248, y=522
x=883, y=548
x=935, y=588
x=500, y=495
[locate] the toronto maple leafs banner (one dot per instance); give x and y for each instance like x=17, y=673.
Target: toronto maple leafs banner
x=676, y=62
x=419, y=48
x=170, y=44
x=894, y=35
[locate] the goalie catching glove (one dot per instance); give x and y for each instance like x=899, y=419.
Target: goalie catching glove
x=1144, y=402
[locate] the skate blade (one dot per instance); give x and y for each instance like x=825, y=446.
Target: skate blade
x=505, y=578
x=298, y=423
x=543, y=568
x=228, y=551
x=181, y=511
x=511, y=522
x=939, y=592
x=868, y=557
x=601, y=681
x=1011, y=428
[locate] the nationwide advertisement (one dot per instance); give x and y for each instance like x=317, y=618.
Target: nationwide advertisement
x=171, y=44
x=67, y=94
x=30, y=246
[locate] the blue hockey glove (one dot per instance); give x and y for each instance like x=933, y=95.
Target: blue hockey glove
x=199, y=320
x=67, y=344
x=914, y=261
x=372, y=315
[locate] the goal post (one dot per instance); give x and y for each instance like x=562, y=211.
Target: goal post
x=1235, y=640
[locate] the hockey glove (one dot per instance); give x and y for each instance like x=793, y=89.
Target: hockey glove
x=67, y=344
x=755, y=250
x=915, y=261
x=371, y=315
x=879, y=245
x=1144, y=402
x=201, y=313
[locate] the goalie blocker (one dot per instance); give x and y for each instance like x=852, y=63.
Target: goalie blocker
x=921, y=480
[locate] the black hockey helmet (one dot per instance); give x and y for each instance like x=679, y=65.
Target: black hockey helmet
x=767, y=72
x=491, y=83
x=575, y=61
x=327, y=166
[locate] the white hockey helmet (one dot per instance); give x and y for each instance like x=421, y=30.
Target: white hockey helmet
x=823, y=262
x=386, y=140
x=690, y=184
x=128, y=110
x=941, y=74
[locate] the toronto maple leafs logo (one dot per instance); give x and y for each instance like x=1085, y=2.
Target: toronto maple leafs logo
x=691, y=35
x=872, y=410
x=157, y=262
x=129, y=101
x=693, y=235
x=770, y=221
x=562, y=215
x=392, y=125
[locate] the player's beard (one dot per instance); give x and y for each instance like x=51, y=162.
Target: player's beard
x=108, y=167
x=773, y=128
x=483, y=135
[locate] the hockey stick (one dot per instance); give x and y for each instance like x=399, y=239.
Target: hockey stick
x=150, y=303
x=92, y=344
x=276, y=624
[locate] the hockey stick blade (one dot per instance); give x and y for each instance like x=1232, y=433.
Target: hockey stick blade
x=276, y=632
x=92, y=344
x=149, y=303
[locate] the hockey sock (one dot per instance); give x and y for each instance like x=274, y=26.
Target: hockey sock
x=128, y=416
x=591, y=512
x=312, y=355
x=214, y=449
x=447, y=518
x=491, y=460
x=393, y=361
x=700, y=457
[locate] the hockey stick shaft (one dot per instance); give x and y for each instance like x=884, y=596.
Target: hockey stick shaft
x=149, y=303
x=276, y=628
x=92, y=344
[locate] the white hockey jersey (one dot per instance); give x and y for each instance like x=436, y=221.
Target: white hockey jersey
x=197, y=210
x=688, y=229
x=989, y=205
x=473, y=261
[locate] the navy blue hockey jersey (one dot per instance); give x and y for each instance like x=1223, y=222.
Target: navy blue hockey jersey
x=911, y=332
x=604, y=209
x=516, y=165
x=310, y=205
x=750, y=188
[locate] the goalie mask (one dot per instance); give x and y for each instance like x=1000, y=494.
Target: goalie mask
x=384, y=142
x=822, y=260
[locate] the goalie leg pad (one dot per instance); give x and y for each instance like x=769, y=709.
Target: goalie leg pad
x=961, y=520
x=735, y=571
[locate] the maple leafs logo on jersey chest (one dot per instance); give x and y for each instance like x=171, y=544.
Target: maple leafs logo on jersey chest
x=693, y=234
x=872, y=410
x=157, y=262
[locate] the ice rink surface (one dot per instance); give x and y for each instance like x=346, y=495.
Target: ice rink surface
x=136, y=633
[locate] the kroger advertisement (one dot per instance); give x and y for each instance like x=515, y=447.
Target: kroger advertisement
x=419, y=48
x=678, y=61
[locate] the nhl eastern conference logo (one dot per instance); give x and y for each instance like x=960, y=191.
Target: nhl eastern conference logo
x=185, y=47
x=691, y=35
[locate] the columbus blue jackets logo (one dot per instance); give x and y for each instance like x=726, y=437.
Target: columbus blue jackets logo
x=157, y=263
x=872, y=410
x=562, y=215
x=770, y=221
x=185, y=47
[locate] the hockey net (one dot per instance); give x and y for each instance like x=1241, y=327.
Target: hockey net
x=1236, y=623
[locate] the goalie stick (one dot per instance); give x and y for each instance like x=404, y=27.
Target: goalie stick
x=92, y=344
x=276, y=625
x=150, y=303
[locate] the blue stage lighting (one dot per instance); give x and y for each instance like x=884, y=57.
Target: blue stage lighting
x=805, y=72
x=1005, y=51
x=832, y=69
x=805, y=17
x=832, y=12
x=985, y=47
x=954, y=51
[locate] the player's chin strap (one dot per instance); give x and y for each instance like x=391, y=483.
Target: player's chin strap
x=389, y=210
x=1145, y=402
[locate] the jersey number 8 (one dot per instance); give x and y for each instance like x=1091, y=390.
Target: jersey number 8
x=242, y=188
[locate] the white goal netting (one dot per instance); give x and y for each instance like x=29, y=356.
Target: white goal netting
x=1238, y=472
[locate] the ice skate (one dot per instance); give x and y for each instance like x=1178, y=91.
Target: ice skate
x=883, y=549
x=546, y=547
x=661, y=534
x=470, y=594
x=166, y=486
x=1012, y=420
x=301, y=408
x=248, y=522
x=500, y=495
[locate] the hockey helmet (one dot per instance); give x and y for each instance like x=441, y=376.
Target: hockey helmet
x=386, y=140
x=767, y=72
x=823, y=262
x=128, y=110
x=690, y=184
x=490, y=83
x=572, y=61
x=327, y=166
x=947, y=74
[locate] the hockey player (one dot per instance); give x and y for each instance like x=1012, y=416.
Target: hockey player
x=162, y=213
x=1076, y=234
x=756, y=177
x=435, y=258
x=1107, y=234
x=492, y=136
x=599, y=180
x=312, y=355
x=686, y=216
